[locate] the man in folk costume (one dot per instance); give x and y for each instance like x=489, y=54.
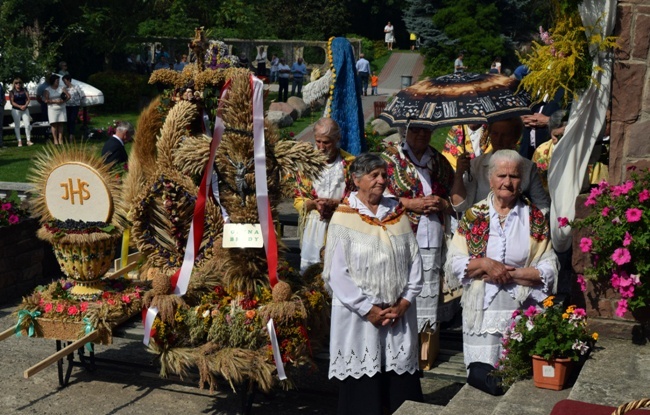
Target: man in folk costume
x=472, y=140
x=421, y=178
x=316, y=200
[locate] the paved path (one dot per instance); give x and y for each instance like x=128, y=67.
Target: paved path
x=390, y=82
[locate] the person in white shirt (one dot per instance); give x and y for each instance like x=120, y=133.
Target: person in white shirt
x=373, y=271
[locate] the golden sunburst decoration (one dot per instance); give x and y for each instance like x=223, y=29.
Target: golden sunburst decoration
x=53, y=158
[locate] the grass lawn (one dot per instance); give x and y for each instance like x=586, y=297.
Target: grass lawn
x=15, y=161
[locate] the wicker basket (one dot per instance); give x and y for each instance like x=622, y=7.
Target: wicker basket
x=630, y=406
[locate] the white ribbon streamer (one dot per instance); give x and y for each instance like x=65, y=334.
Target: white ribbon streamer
x=276, y=350
x=148, y=323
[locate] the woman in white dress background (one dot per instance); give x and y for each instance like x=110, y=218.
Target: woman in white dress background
x=389, y=35
x=55, y=97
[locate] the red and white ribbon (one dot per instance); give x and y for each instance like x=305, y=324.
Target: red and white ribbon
x=181, y=279
x=261, y=188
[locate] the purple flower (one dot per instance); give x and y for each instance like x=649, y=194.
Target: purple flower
x=585, y=244
x=633, y=214
x=621, y=256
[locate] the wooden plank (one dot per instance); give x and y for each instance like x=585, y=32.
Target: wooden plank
x=123, y=271
x=7, y=333
x=71, y=348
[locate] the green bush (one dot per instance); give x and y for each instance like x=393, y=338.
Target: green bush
x=122, y=90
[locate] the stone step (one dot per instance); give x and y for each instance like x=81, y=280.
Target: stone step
x=419, y=408
x=617, y=372
x=470, y=400
x=525, y=398
x=449, y=366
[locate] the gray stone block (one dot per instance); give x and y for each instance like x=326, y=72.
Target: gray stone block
x=279, y=119
x=617, y=372
x=468, y=400
x=299, y=105
x=412, y=408
x=285, y=108
x=381, y=127
x=525, y=398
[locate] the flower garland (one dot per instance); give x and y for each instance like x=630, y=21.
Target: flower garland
x=120, y=297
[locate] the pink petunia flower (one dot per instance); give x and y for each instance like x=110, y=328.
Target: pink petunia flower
x=605, y=211
x=621, y=256
x=615, y=281
x=633, y=215
x=621, y=308
x=644, y=195
x=562, y=222
x=531, y=311
x=6, y=206
x=13, y=219
x=580, y=312
x=627, y=240
x=582, y=282
x=586, y=244
x=591, y=201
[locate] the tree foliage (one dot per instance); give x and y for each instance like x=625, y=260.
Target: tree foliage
x=471, y=27
x=28, y=40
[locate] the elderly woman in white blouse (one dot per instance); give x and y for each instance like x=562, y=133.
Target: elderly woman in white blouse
x=502, y=255
x=374, y=273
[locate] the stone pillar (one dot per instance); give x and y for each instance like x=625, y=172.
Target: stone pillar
x=630, y=90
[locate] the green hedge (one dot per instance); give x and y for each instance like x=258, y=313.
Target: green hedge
x=123, y=91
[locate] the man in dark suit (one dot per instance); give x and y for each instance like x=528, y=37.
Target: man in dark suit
x=113, y=150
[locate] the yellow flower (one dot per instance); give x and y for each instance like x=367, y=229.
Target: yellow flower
x=594, y=336
x=548, y=302
x=565, y=316
x=571, y=309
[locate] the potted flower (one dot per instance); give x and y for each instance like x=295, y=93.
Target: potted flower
x=618, y=239
x=548, y=341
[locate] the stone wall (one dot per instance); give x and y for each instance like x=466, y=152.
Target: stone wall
x=25, y=261
x=630, y=130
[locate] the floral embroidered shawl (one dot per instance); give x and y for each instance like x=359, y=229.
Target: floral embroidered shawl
x=404, y=181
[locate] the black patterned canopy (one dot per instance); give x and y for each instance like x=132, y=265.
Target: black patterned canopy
x=467, y=98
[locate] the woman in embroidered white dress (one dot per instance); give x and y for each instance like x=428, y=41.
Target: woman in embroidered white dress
x=502, y=255
x=316, y=201
x=374, y=273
